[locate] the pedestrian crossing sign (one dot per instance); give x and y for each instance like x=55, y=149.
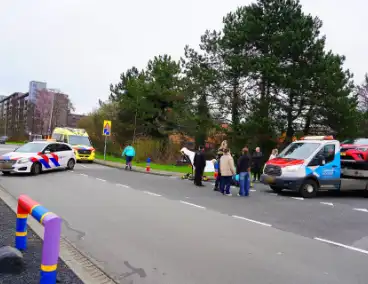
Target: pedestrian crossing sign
x=106, y=128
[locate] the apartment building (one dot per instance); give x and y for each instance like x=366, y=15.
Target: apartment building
x=73, y=119
x=38, y=111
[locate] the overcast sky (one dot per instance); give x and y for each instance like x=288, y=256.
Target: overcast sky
x=81, y=46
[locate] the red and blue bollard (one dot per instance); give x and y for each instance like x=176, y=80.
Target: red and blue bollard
x=148, y=165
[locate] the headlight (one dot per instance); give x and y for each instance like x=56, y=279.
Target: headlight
x=23, y=161
x=362, y=149
x=291, y=168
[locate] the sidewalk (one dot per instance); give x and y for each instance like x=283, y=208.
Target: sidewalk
x=140, y=169
x=32, y=256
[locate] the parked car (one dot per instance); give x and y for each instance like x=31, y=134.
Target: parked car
x=354, y=153
x=3, y=139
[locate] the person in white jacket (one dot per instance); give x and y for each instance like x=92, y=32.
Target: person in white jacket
x=274, y=154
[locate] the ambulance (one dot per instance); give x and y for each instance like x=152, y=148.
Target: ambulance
x=312, y=164
x=78, y=138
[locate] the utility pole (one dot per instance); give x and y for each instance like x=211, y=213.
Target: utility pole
x=51, y=113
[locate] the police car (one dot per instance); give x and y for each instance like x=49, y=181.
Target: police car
x=38, y=156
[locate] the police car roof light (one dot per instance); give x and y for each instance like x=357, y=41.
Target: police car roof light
x=330, y=137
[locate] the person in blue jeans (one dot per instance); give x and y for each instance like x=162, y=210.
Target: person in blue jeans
x=243, y=170
x=129, y=153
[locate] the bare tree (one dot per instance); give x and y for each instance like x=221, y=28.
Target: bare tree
x=43, y=110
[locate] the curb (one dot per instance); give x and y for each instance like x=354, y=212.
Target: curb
x=84, y=267
x=118, y=166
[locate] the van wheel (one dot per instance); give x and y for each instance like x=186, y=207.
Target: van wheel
x=308, y=189
x=276, y=189
x=36, y=169
x=70, y=165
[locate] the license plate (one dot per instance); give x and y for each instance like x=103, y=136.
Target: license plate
x=5, y=166
x=269, y=179
x=343, y=154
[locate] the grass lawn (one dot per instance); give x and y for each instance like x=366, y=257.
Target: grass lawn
x=154, y=166
x=14, y=142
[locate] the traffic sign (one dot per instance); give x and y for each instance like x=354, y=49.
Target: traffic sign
x=106, y=128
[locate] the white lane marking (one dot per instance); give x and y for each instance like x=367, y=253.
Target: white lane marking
x=186, y=197
x=192, y=204
x=298, y=198
x=360, y=209
x=274, y=194
x=83, y=166
x=123, y=185
x=327, y=203
x=342, y=245
x=100, y=179
x=151, y=193
x=84, y=175
x=252, y=190
x=71, y=171
x=250, y=220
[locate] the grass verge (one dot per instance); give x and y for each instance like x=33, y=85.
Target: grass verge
x=14, y=142
x=154, y=166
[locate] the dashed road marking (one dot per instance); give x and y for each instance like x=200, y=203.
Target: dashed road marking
x=252, y=190
x=274, y=194
x=298, y=198
x=151, y=193
x=84, y=175
x=192, y=204
x=123, y=185
x=342, y=245
x=252, y=221
x=360, y=209
x=100, y=179
x=327, y=203
x=83, y=166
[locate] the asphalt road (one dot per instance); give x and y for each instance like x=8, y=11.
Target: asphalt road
x=151, y=229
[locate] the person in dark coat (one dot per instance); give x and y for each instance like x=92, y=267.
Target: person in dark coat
x=257, y=160
x=220, y=152
x=243, y=170
x=199, y=165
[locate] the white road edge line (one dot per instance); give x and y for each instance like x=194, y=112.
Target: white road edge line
x=360, y=209
x=252, y=221
x=151, y=193
x=123, y=185
x=83, y=166
x=100, y=179
x=192, y=204
x=327, y=203
x=342, y=245
x=298, y=198
x=84, y=175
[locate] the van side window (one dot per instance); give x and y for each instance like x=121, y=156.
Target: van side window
x=329, y=153
x=65, y=139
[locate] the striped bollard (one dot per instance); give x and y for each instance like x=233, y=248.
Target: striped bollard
x=51, y=238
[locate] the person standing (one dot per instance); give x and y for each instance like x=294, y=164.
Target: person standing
x=199, y=165
x=274, y=154
x=220, y=152
x=243, y=170
x=129, y=153
x=227, y=169
x=257, y=164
